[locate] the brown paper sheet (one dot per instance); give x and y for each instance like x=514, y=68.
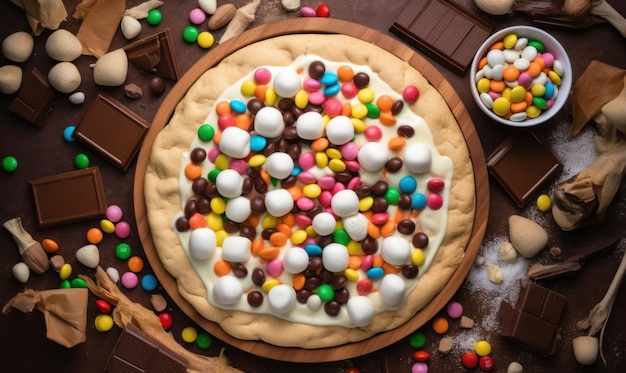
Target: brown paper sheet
x=99, y=25
x=598, y=84
x=65, y=312
x=126, y=311
x=43, y=14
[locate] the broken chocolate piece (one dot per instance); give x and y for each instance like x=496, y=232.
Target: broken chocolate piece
x=69, y=197
x=533, y=321
x=113, y=130
x=523, y=164
x=540, y=271
x=155, y=54
x=136, y=351
x=35, y=98
x=444, y=30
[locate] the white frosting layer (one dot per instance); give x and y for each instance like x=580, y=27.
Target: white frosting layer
x=230, y=292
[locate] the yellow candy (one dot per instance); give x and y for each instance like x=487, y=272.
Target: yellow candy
x=544, y=203
x=270, y=96
x=533, y=111
x=65, y=272
x=298, y=236
x=205, y=39
x=483, y=85
x=337, y=165
x=214, y=221
x=538, y=90
x=417, y=257
x=220, y=236
x=518, y=94
x=554, y=77
x=482, y=348
x=359, y=125
x=257, y=160
x=366, y=95
x=247, y=88
x=107, y=226
x=501, y=106
x=103, y=322
x=354, y=248
x=311, y=191
x=321, y=159
x=269, y=221
x=301, y=99
x=506, y=93
x=310, y=231
x=333, y=153
x=509, y=41
x=359, y=111
x=366, y=203
x=218, y=205
x=189, y=334
x=269, y=284
x=222, y=162
x=351, y=274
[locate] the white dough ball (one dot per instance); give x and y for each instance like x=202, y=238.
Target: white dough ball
x=372, y=156
x=227, y=290
x=282, y=298
x=202, y=243
x=391, y=289
x=235, y=142
x=360, y=310
x=345, y=203
x=229, y=183
x=417, y=158
x=10, y=79
x=310, y=125
x=64, y=77
x=335, y=257
x=279, y=165
x=278, y=202
x=62, y=45
x=18, y=46
x=340, y=130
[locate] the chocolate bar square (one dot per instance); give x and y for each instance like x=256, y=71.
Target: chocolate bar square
x=35, y=98
x=155, y=54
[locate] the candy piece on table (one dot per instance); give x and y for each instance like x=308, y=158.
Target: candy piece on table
x=94, y=236
x=122, y=229
x=482, y=348
x=113, y=274
x=157, y=85
x=486, y=364
x=466, y=323
x=21, y=272
x=306, y=11
x=154, y=17
x=130, y=27
x=9, y=163
x=197, y=16
x=149, y=282
x=77, y=98
x=527, y=237
x=103, y=306
x=31, y=251
x=65, y=272
x=209, y=6
x=129, y=280
x=18, y=46
x=454, y=309
x=469, y=360
x=189, y=334
x=440, y=325
x=135, y=264
x=88, y=255
x=204, y=340
x=103, y=322
x=445, y=345
x=158, y=301
x=515, y=367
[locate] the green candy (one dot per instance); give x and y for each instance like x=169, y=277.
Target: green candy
x=81, y=161
x=341, y=236
x=190, y=34
x=206, y=132
x=538, y=45
x=9, y=163
x=204, y=341
x=154, y=17
x=123, y=251
x=417, y=340
x=326, y=292
x=65, y=284
x=373, y=112
x=78, y=283
x=540, y=102
x=213, y=174
x=392, y=195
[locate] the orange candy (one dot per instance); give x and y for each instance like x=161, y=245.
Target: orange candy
x=135, y=264
x=221, y=267
x=298, y=281
x=223, y=107
x=193, y=171
x=278, y=239
x=50, y=246
x=197, y=221
x=497, y=85
x=396, y=143
x=94, y=236
x=534, y=69
x=243, y=121
x=497, y=45
x=320, y=144
x=440, y=325
x=345, y=73
x=510, y=73
x=384, y=103
x=387, y=119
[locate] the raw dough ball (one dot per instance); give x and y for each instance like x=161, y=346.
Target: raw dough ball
x=527, y=237
x=111, y=69
x=494, y=273
x=507, y=253
x=515, y=367
x=130, y=27
x=585, y=349
x=495, y=7
x=62, y=45
x=64, y=77
x=18, y=46
x=10, y=79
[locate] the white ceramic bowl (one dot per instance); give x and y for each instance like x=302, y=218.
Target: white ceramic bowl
x=551, y=45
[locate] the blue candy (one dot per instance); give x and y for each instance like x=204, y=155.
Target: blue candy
x=408, y=184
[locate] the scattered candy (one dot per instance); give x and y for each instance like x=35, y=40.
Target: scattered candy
x=454, y=309
x=205, y=39
x=88, y=255
x=421, y=355
x=81, y=161
x=417, y=340
x=103, y=306
x=68, y=134
x=197, y=16
x=77, y=98
x=445, y=345
x=49, y=245
x=166, y=320
x=129, y=280
x=122, y=229
x=322, y=11
x=107, y=226
x=21, y=272
x=544, y=203
x=157, y=85
x=306, y=11
x=410, y=94
x=149, y=282
x=65, y=272
x=114, y=213
x=78, y=283
x=9, y=163
x=204, y=340
x=135, y=264
x=469, y=360
x=189, y=334
x=419, y=367
x=486, y=363
x=515, y=367
x=482, y=348
x=154, y=17
x=440, y=325
x=94, y=236
x=103, y=322
x=190, y=34
x=123, y=251
x=113, y=274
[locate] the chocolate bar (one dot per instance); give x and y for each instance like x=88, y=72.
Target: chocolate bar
x=35, y=98
x=111, y=129
x=444, y=30
x=534, y=320
x=155, y=54
x=136, y=351
x=523, y=164
x=69, y=197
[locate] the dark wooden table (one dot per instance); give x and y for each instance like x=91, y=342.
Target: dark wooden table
x=42, y=151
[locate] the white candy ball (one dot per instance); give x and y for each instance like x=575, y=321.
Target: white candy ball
x=340, y=130
x=21, y=272
x=529, y=52
x=310, y=125
x=335, y=257
x=279, y=165
x=113, y=274
x=268, y=122
x=229, y=183
x=495, y=57
x=282, y=298
x=417, y=158
x=372, y=156
x=287, y=83
x=314, y=302
x=391, y=289
x=360, y=310
x=324, y=223
x=202, y=243
x=209, y=6
x=235, y=142
x=396, y=250
x=278, y=202
x=227, y=290
x=238, y=209
x=236, y=249
x=345, y=203
x=356, y=226
x=295, y=260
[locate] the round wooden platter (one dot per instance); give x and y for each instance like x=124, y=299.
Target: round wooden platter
x=320, y=26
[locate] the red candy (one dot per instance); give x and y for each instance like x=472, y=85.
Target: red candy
x=352, y=370
x=421, y=355
x=486, y=363
x=103, y=306
x=470, y=360
x=166, y=320
x=410, y=94
x=322, y=11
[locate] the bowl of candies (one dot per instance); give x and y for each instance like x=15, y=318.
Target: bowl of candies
x=521, y=76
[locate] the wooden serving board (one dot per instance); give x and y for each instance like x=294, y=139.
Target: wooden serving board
x=321, y=26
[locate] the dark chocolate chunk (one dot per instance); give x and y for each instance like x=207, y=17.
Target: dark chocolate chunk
x=69, y=197
x=112, y=130
x=443, y=29
x=136, y=351
x=35, y=98
x=533, y=321
x=523, y=164
x=155, y=54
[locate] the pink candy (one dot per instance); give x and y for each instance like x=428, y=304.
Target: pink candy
x=122, y=229
x=302, y=221
x=114, y=213
x=129, y=280
x=213, y=153
x=349, y=151
x=333, y=107
x=240, y=166
x=434, y=201
x=306, y=160
x=410, y=94
x=373, y=133
x=262, y=75
x=197, y=16
x=311, y=85
x=307, y=177
x=305, y=203
x=317, y=98
x=349, y=90
x=326, y=182
x=274, y=267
